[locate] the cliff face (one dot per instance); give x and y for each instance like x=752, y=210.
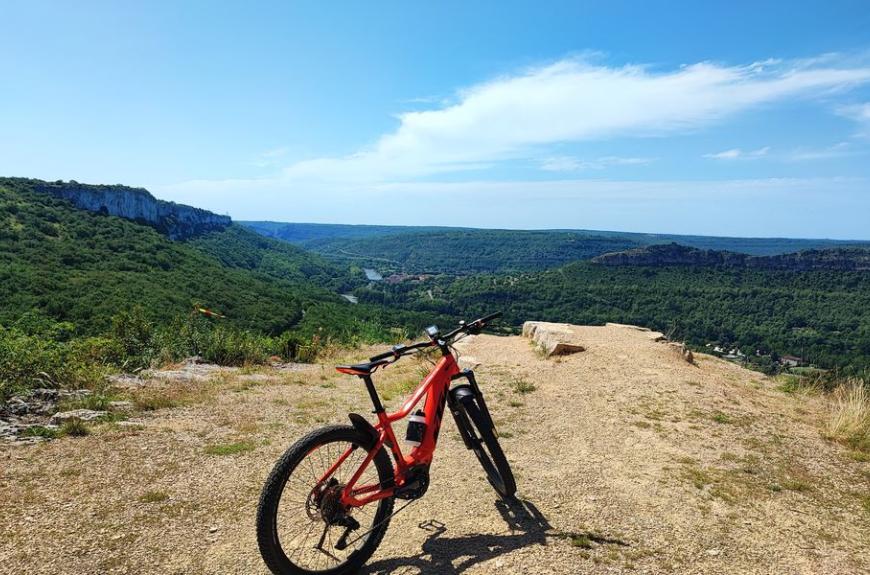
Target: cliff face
x=175, y=220
x=838, y=259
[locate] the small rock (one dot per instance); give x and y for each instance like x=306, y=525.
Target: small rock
x=683, y=351
x=120, y=406
x=127, y=380
x=212, y=529
x=79, y=414
x=713, y=552
x=45, y=394
x=17, y=406
x=8, y=429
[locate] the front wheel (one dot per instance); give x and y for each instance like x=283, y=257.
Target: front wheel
x=478, y=431
x=302, y=527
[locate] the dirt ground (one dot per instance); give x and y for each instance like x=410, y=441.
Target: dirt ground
x=628, y=460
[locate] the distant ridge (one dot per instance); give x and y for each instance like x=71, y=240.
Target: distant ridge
x=177, y=221
x=835, y=259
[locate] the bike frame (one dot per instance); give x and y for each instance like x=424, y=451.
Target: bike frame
x=434, y=388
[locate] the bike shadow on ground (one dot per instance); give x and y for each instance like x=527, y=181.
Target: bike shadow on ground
x=453, y=555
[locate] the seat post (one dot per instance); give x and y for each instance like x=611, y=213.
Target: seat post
x=370, y=386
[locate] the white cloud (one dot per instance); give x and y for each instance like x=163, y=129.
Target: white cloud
x=859, y=113
x=738, y=154
x=573, y=100
x=270, y=157
x=572, y=164
x=838, y=150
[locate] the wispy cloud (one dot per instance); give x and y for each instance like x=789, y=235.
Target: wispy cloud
x=572, y=164
x=738, y=154
x=838, y=150
x=859, y=113
x=271, y=157
x=574, y=100
x=800, y=154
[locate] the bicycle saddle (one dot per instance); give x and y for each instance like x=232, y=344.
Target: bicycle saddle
x=362, y=368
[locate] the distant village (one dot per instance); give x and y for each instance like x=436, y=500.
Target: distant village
x=736, y=355
x=374, y=276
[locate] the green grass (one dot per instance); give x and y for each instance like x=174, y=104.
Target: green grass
x=71, y=428
x=796, y=485
x=697, y=477
x=722, y=418
x=97, y=401
x=522, y=386
x=581, y=540
x=860, y=456
x=74, y=428
x=229, y=448
x=40, y=431
x=154, y=497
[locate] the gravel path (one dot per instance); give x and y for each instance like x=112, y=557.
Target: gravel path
x=628, y=460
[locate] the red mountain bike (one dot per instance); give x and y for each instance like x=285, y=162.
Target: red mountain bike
x=329, y=499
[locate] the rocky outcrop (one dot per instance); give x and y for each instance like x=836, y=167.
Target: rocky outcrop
x=37, y=409
x=836, y=259
x=553, y=338
x=175, y=220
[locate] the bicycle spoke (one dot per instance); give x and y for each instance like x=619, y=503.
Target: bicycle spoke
x=305, y=535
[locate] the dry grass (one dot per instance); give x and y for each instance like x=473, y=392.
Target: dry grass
x=162, y=397
x=849, y=415
x=229, y=448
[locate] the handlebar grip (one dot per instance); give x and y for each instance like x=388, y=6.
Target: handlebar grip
x=385, y=355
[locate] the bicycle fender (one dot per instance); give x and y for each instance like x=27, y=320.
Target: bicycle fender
x=466, y=394
x=457, y=410
x=362, y=425
x=462, y=393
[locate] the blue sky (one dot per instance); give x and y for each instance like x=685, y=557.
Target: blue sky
x=748, y=119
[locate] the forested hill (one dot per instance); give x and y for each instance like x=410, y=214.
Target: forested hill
x=302, y=233
x=822, y=316
x=835, y=259
x=465, y=251
x=69, y=264
x=469, y=251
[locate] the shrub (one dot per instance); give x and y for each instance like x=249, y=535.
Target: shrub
x=28, y=361
x=74, y=428
x=133, y=333
x=849, y=415
x=523, y=387
x=229, y=346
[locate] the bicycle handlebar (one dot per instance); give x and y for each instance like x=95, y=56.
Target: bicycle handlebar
x=473, y=327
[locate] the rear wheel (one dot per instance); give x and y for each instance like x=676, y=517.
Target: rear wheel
x=302, y=528
x=480, y=435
